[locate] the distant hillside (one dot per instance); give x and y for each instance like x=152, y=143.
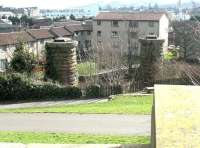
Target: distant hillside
x=137, y=3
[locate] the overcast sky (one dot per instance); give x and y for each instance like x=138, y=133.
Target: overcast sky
x=51, y=4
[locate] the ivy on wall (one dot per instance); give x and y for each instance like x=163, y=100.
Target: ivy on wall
x=58, y=56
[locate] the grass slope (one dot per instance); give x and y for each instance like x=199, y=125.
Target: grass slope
x=54, y=138
x=86, y=68
x=119, y=105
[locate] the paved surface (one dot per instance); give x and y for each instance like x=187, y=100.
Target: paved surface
x=49, y=103
x=76, y=123
x=177, y=112
x=16, y=145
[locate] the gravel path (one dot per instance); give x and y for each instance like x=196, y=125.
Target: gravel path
x=49, y=103
x=77, y=123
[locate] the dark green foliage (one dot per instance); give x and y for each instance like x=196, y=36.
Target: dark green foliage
x=187, y=37
x=195, y=18
x=22, y=61
x=59, y=18
x=73, y=92
x=18, y=87
x=24, y=20
x=117, y=89
x=15, y=20
x=72, y=17
x=93, y=91
x=100, y=91
x=50, y=68
x=151, y=52
x=12, y=86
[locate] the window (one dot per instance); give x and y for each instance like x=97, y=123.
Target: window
x=98, y=33
x=134, y=35
x=151, y=24
x=99, y=42
x=82, y=33
x=3, y=49
x=115, y=45
x=87, y=43
x=115, y=23
x=115, y=34
x=98, y=23
x=133, y=24
x=88, y=32
x=76, y=33
x=31, y=44
x=79, y=43
x=41, y=41
x=134, y=46
x=3, y=63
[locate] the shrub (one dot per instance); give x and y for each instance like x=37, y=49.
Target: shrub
x=12, y=86
x=18, y=87
x=73, y=92
x=22, y=61
x=116, y=89
x=93, y=91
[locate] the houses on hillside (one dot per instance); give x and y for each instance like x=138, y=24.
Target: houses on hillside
x=117, y=30
x=8, y=41
x=35, y=40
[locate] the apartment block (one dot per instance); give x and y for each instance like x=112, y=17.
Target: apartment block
x=121, y=31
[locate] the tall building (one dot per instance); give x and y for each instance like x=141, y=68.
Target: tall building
x=122, y=30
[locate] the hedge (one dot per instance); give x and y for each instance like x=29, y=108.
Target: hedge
x=93, y=91
x=102, y=91
x=18, y=87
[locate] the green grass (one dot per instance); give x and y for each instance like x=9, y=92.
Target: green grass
x=86, y=68
x=119, y=105
x=53, y=138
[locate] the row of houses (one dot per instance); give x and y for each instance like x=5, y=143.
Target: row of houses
x=119, y=31
x=35, y=40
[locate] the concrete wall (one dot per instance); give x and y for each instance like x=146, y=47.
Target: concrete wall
x=39, y=48
x=176, y=112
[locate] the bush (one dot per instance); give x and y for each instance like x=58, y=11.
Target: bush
x=93, y=91
x=73, y=92
x=12, y=86
x=18, y=87
x=116, y=89
x=22, y=61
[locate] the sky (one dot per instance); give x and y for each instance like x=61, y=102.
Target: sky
x=54, y=4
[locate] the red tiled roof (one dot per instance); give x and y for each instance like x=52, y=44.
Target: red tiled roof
x=71, y=22
x=41, y=33
x=14, y=38
x=60, y=32
x=140, y=16
x=74, y=28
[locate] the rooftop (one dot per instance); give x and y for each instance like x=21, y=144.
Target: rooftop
x=60, y=32
x=40, y=33
x=141, y=16
x=14, y=38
